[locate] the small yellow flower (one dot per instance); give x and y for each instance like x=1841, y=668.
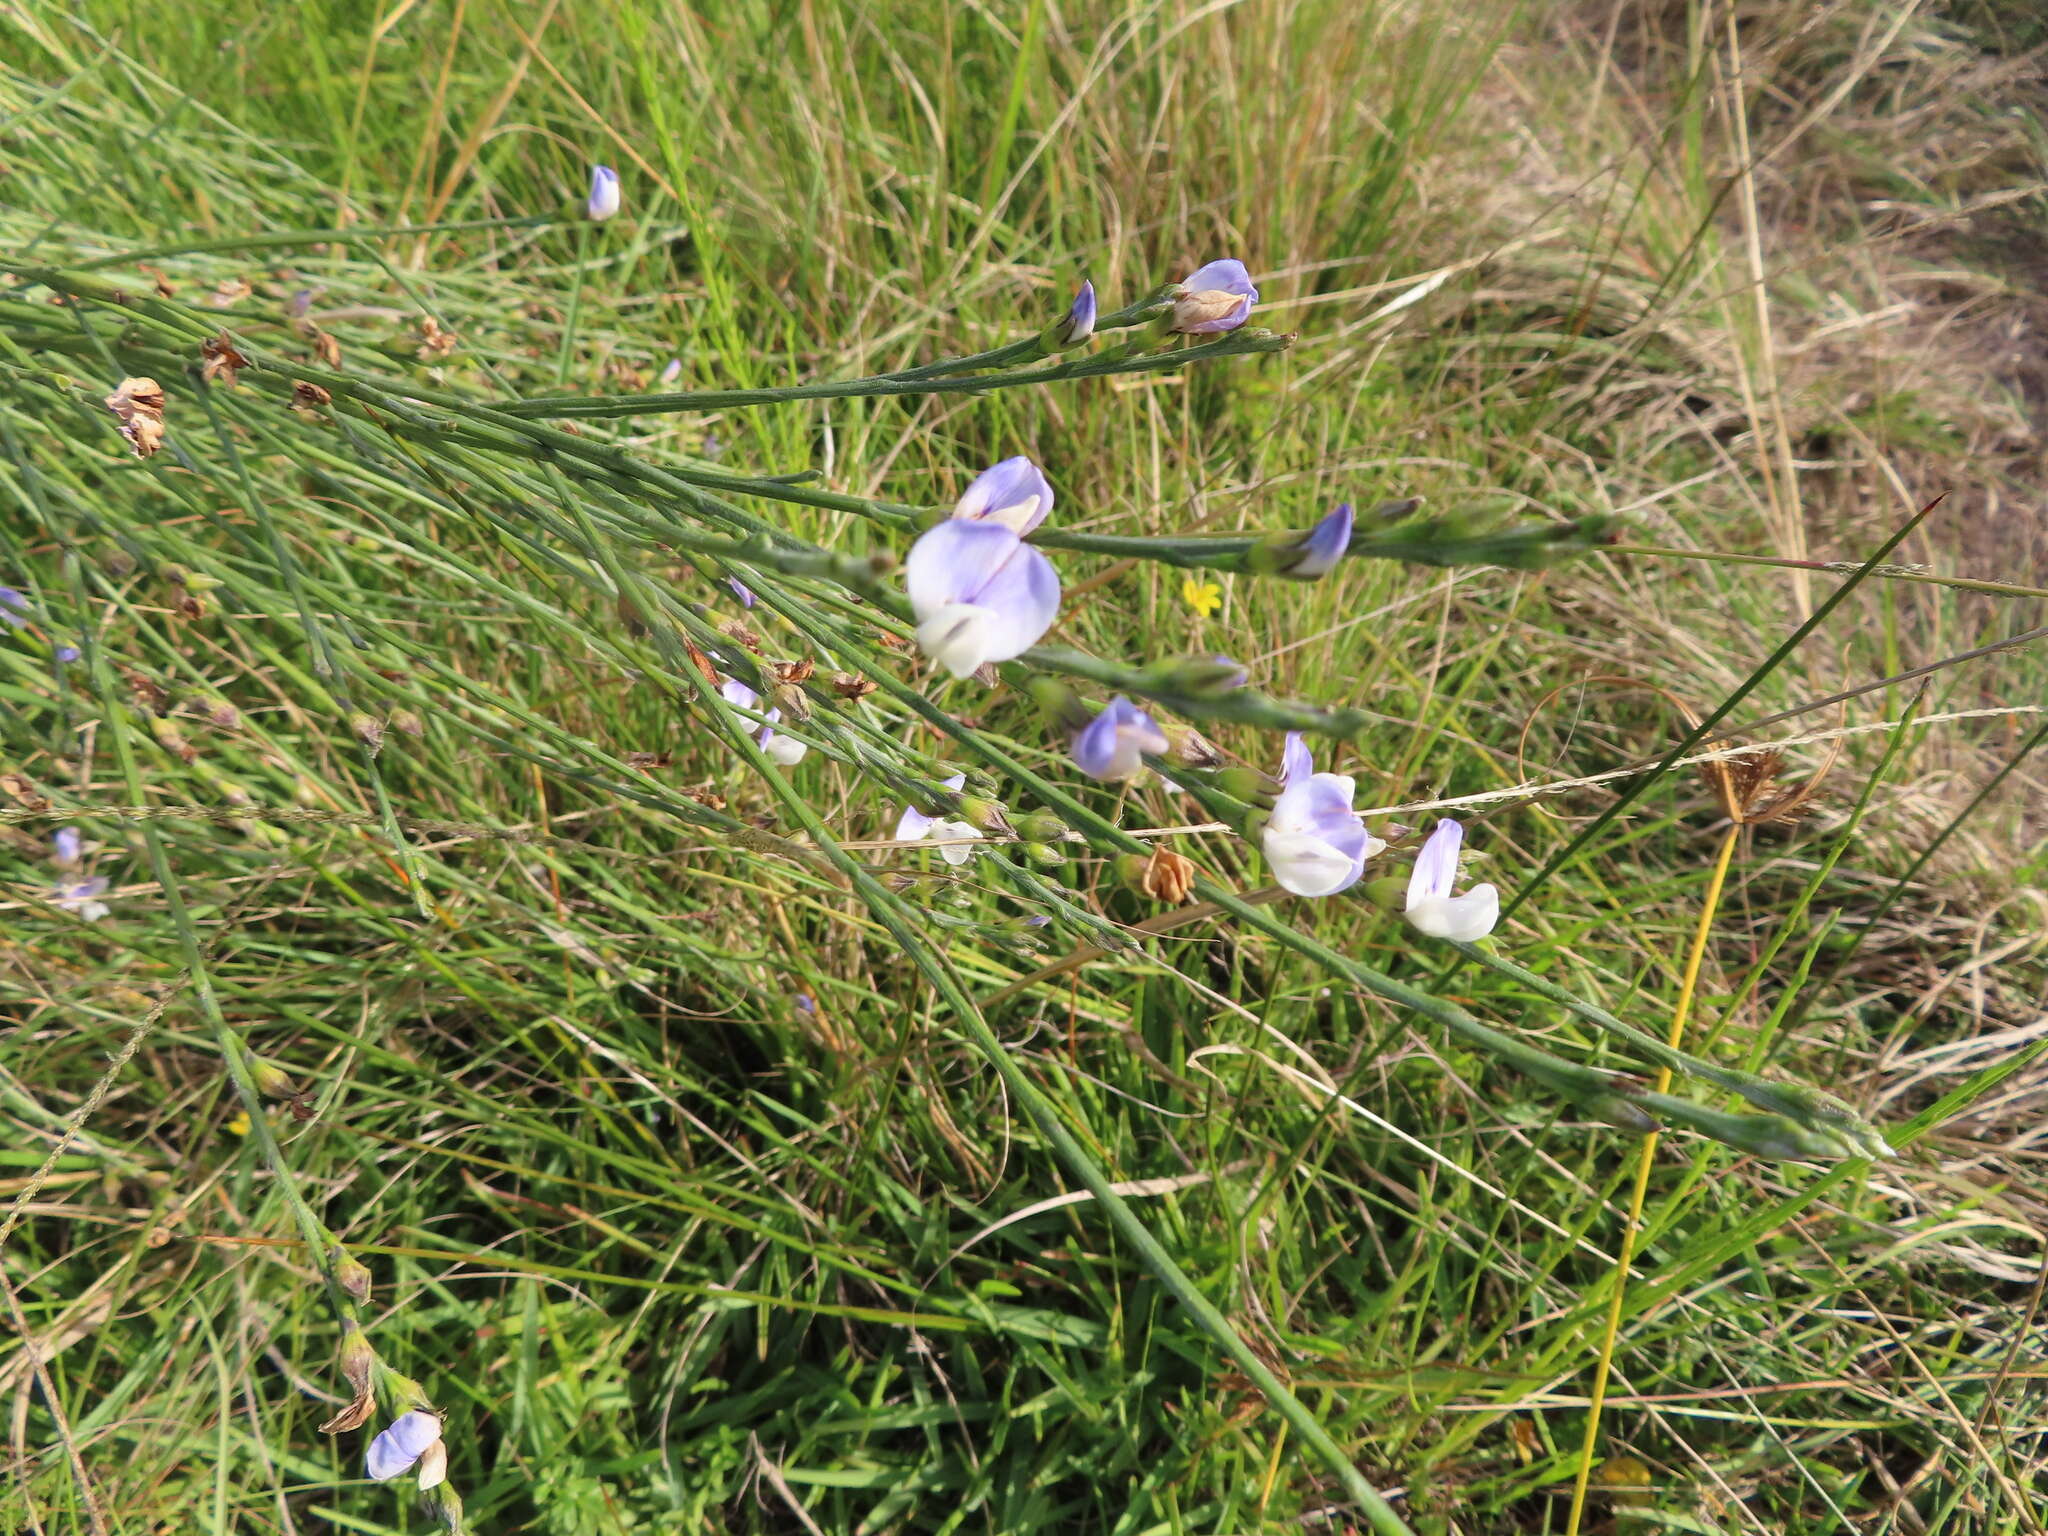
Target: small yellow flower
x=239, y=1126
x=1205, y=597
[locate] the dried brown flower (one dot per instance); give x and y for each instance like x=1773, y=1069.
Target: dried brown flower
x=851, y=685
x=310, y=399
x=138, y=405
x=328, y=348
x=224, y=364
x=354, y=1416
x=231, y=292
x=793, y=672
x=434, y=341
x=1168, y=876
x=23, y=789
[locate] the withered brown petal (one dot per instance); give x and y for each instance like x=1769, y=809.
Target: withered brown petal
x=354, y=1416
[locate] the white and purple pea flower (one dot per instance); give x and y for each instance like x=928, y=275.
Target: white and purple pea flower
x=604, y=193
x=785, y=750
x=954, y=836
x=1432, y=909
x=76, y=892
x=1216, y=297
x=1113, y=745
x=411, y=1440
x=1315, y=842
x=980, y=593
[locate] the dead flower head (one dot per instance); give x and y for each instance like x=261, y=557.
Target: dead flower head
x=1746, y=785
x=310, y=399
x=224, y=364
x=138, y=405
x=435, y=342
x=1167, y=876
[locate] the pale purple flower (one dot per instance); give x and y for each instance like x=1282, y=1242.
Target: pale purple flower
x=784, y=750
x=1078, y=323
x=1113, y=744
x=979, y=592
x=1315, y=842
x=13, y=608
x=67, y=653
x=75, y=893
x=400, y=1445
x=604, y=192
x=739, y=591
x=1215, y=297
x=1014, y=493
x=1323, y=545
x=81, y=897
x=672, y=370
x=914, y=826
x=1432, y=909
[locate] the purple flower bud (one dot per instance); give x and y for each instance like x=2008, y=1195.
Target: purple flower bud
x=401, y=1444
x=66, y=847
x=1215, y=297
x=806, y=1003
x=1315, y=842
x=12, y=606
x=1014, y=493
x=672, y=370
x=1112, y=745
x=1322, y=546
x=604, y=192
x=67, y=653
x=979, y=592
x=1431, y=907
x=1078, y=324
x=739, y=590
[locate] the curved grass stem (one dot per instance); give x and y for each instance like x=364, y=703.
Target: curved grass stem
x=1618, y=1296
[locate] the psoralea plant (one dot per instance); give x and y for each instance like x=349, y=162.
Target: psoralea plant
x=961, y=592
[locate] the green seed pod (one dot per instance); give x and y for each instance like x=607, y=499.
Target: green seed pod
x=1042, y=827
x=984, y=815
x=1248, y=785
x=352, y=1275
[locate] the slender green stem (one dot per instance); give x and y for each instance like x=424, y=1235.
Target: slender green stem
x=1883, y=572
x=356, y=234
x=568, y=351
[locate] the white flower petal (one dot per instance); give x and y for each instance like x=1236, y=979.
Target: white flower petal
x=959, y=637
x=952, y=851
x=1304, y=864
x=1465, y=918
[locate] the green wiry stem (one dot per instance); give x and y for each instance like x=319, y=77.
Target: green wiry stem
x=1088, y=366
x=1817, y=1114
